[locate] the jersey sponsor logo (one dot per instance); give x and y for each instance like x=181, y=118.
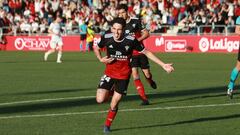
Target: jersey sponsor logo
x=118, y=56
x=126, y=47
x=175, y=45
x=206, y=44
x=130, y=37
x=134, y=25
x=118, y=53
x=32, y=43
x=110, y=46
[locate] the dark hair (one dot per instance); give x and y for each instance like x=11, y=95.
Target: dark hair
x=119, y=21
x=122, y=6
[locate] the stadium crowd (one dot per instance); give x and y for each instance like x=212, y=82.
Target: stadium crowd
x=35, y=15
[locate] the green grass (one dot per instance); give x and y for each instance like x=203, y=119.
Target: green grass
x=70, y=87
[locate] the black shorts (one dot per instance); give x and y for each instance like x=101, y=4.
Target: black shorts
x=118, y=85
x=83, y=36
x=140, y=61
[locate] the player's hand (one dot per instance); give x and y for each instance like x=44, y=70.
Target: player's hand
x=106, y=60
x=168, y=67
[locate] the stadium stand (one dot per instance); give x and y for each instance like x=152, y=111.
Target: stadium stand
x=159, y=16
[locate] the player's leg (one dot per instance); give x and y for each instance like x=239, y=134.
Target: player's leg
x=53, y=45
x=48, y=53
x=139, y=86
x=81, y=42
x=87, y=47
x=120, y=89
x=146, y=71
x=59, y=55
x=233, y=77
x=112, y=112
x=102, y=95
x=90, y=46
x=148, y=76
x=105, y=86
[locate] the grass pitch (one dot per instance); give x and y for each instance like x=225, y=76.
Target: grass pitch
x=46, y=98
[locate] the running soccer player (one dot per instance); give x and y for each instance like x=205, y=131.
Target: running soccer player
x=119, y=49
x=139, y=60
x=56, y=42
x=236, y=70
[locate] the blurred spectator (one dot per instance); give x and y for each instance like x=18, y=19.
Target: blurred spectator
x=5, y=26
x=90, y=37
x=155, y=14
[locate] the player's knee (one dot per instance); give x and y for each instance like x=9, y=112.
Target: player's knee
x=100, y=100
x=135, y=76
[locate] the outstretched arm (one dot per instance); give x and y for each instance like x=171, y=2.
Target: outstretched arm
x=166, y=66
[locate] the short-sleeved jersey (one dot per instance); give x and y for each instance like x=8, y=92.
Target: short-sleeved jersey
x=55, y=27
x=134, y=28
x=121, y=51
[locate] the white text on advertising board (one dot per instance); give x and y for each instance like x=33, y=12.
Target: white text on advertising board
x=206, y=44
x=31, y=43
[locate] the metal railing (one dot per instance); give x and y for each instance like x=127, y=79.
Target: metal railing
x=165, y=30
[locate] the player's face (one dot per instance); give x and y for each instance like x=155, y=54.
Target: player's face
x=117, y=31
x=122, y=13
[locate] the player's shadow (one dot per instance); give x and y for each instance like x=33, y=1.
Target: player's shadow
x=55, y=91
x=197, y=120
x=48, y=105
x=71, y=103
x=193, y=93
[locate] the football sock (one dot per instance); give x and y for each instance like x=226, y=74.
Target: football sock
x=233, y=78
x=140, y=88
x=59, y=56
x=87, y=47
x=81, y=47
x=110, y=117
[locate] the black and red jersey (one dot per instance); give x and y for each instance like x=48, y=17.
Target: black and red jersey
x=121, y=51
x=134, y=28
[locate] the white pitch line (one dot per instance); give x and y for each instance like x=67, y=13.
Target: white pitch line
x=50, y=99
x=123, y=110
x=45, y=100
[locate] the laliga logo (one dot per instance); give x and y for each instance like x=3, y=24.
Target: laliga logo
x=204, y=44
x=221, y=44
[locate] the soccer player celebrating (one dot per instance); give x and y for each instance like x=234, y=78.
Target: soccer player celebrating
x=236, y=70
x=119, y=49
x=139, y=60
x=56, y=42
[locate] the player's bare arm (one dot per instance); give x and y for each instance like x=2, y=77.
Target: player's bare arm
x=98, y=54
x=145, y=35
x=166, y=66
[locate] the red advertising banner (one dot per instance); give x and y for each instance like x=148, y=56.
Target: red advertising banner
x=190, y=43
x=40, y=43
x=155, y=43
